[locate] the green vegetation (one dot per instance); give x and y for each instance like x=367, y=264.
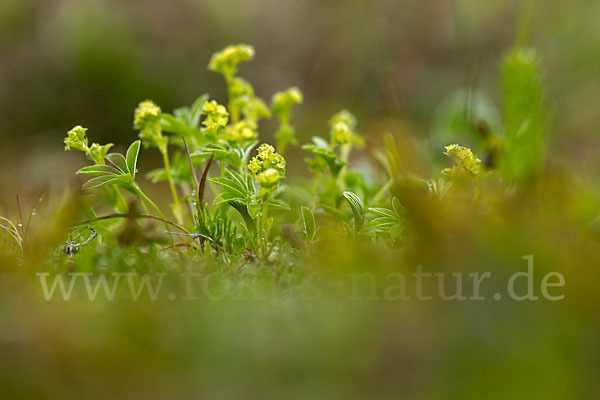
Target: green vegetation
x=266, y=248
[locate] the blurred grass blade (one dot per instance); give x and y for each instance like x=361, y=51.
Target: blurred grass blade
x=524, y=114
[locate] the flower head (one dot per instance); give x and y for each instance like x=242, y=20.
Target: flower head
x=147, y=115
x=226, y=60
x=216, y=116
x=268, y=178
x=97, y=153
x=342, y=129
x=466, y=163
x=282, y=103
x=242, y=99
x=76, y=139
x=242, y=131
x=266, y=159
x=146, y=119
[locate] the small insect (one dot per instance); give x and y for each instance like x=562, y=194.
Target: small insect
x=72, y=248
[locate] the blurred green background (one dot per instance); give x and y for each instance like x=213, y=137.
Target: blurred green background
x=393, y=63
x=390, y=61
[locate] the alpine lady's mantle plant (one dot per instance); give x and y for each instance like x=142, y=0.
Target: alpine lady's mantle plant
x=248, y=216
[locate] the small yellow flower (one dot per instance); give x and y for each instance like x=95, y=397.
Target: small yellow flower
x=216, y=116
x=241, y=132
x=282, y=103
x=466, y=162
x=147, y=115
x=255, y=165
x=267, y=159
x=342, y=129
x=268, y=178
x=98, y=153
x=76, y=139
x=226, y=60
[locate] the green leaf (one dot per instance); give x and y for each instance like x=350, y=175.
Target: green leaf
x=100, y=181
x=228, y=156
x=226, y=197
x=132, y=156
x=308, y=219
x=99, y=170
x=278, y=204
x=388, y=221
x=397, y=207
x=118, y=161
x=332, y=160
x=253, y=209
x=358, y=209
x=230, y=186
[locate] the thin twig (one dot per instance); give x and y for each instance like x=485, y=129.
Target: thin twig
x=190, y=235
x=33, y=210
x=20, y=224
x=179, y=245
x=144, y=216
x=194, y=176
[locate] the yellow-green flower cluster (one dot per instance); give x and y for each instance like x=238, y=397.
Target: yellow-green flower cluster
x=244, y=100
x=97, y=153
x=146, y=119
x=226, y=60
x=147, y=115
x=269, y=178
x=466, y=163
x=242, y=131
x=282, y=103
x=77, y=140
x=216, y=116
x=268, y=167
x=267, y=159
x=342, y=129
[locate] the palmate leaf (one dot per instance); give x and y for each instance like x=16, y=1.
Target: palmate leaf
x=235, y=184
x=388, y=220
x=230, y=186
x=235, y=156
x=358, y=209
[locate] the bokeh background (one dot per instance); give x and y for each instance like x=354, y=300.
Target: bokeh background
x=392, y=62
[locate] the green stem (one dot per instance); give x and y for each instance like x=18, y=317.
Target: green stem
x=120, y=199
x=262, y=231
x=165, y=155
x=147, y=200
x=382, y=192
x=233, y=111
x=344, y=156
